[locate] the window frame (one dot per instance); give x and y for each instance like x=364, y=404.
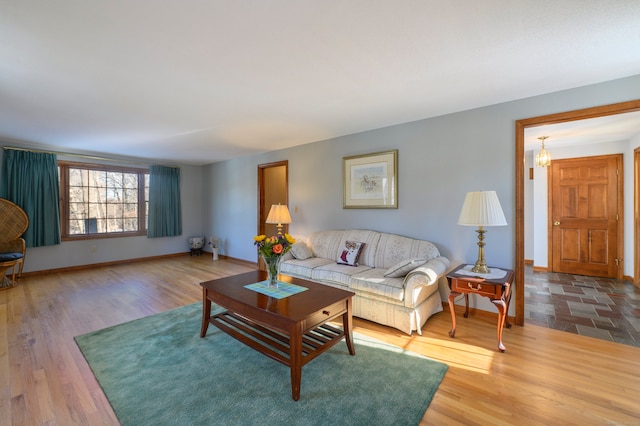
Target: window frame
x=64, y=167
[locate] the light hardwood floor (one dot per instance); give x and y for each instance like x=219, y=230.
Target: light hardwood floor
x=545, y=377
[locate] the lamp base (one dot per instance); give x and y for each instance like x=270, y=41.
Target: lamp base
x=480, y=268
x=481, y=265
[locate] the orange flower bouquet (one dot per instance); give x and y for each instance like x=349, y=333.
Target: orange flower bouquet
x=272, y=249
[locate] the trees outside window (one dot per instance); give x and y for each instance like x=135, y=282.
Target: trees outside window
x=103, y=201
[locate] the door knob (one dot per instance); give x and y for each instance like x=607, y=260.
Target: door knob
x=556, y=223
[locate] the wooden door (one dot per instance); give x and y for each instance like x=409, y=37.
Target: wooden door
x=273, y=188
x=586, y=215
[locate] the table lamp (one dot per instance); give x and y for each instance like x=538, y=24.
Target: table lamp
x=279, y=215
x=481, y=208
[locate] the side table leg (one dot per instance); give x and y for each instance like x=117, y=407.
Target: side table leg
x=452, y=308
x=206, y=313
x=502, y=311
x=507, y=323
x=466, y=305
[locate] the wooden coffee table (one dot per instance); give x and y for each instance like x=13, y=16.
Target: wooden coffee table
x=292, y=331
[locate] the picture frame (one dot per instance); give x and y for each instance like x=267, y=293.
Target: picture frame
x=370, y=181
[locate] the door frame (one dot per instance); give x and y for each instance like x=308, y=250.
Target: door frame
x=636, y=216
x=262, y=214
x=520, y=126
x=619, y=208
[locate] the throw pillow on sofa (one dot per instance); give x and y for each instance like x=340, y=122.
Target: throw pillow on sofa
x=403, y=267
x=350, y=253
x=300, y=251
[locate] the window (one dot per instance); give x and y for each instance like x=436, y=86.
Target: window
x=100, y=201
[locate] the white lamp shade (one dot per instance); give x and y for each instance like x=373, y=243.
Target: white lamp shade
x=279, y=215
x=482, y=208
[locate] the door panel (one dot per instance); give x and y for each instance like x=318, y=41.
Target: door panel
x=584, y=221
x=570, y=248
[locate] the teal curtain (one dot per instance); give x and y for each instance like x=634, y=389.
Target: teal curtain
x=30, y=179
x=165, y=213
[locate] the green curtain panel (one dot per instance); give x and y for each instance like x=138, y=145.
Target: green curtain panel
x=165, y=214
x=30, y=179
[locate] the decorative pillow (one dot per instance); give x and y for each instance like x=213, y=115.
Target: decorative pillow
x=403, y=267
x=350, y=253
x=300, y=251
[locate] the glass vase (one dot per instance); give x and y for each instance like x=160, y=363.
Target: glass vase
x=272, y=264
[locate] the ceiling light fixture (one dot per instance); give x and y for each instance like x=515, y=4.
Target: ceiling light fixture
x=543, y=158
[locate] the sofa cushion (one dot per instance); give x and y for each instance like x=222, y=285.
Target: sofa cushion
x=403, y=267
x=302, y=268
x=395, y=248
x=8, y=257
x=350, y=253
x=373, y=281
x=326, y=244
x=300, y=251
x=335, y=272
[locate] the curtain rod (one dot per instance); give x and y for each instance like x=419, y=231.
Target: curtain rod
x=88, y=157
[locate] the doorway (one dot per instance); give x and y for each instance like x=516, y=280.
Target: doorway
x=273, y=188
x=521, y=125
x=585, y=216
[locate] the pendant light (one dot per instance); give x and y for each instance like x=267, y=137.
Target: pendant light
x=543, y=158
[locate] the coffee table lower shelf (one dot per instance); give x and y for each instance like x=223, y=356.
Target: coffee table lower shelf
x=277, y=345
x=292, y=331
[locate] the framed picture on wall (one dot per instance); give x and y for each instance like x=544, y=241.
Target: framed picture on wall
x=370, y=181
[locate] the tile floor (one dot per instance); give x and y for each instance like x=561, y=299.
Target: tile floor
x=598, y=307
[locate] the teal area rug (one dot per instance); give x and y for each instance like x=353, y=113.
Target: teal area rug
x=158, y=371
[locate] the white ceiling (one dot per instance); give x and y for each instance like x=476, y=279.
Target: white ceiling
x=612, y=128
x=200, y=81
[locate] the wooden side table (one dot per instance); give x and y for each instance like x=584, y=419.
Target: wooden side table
x=498, y=290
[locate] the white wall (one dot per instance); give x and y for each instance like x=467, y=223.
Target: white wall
x=528, y=205
x=439, y=160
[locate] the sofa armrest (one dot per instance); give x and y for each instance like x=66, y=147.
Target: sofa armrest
x=418, y=283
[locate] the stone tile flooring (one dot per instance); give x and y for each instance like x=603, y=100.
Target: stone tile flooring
x=603, y=308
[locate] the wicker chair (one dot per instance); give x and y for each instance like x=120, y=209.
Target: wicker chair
x=13, y=223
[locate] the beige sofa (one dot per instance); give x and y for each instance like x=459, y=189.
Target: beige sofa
x=395, y=282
